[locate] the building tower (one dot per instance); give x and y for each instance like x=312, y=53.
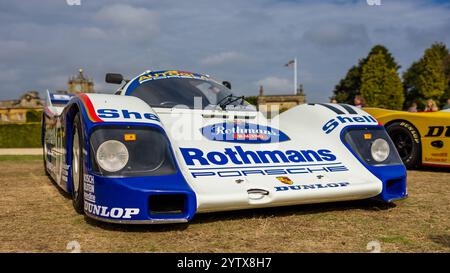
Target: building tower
x=80, y=84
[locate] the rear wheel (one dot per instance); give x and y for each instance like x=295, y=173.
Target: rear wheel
x=77, y=168
x=407, y=141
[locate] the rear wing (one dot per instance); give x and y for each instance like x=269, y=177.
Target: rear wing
x=58, y=99
x=55, y=103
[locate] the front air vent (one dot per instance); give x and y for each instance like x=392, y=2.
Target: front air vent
x=172, y=204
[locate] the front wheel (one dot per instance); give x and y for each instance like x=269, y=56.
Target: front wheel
x=77, y=168
x=407, y=141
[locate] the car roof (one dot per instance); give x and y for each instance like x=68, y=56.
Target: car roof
x=150, y=75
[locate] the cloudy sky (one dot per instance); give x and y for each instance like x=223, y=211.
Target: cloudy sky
x=245, y=42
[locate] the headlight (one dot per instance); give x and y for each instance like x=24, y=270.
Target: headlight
x=112, y=156
x=372, y=145
x=380, y=150
x=130, y=151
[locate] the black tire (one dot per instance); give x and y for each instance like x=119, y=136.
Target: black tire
x=77, y=166
x=406, y=139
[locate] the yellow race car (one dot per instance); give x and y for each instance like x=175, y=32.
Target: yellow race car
x=421, y=138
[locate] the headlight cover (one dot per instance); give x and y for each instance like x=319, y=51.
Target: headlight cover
x=112, y=156
x=372, y=145
x=148, y=151
x=380, y=150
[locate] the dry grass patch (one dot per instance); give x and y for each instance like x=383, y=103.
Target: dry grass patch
x=36, y=217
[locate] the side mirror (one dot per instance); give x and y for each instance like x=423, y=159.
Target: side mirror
x=113, y=78
x=227, y=84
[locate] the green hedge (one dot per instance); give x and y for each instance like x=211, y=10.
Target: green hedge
x=34, y=115
x=20, y=135
x=252, y=100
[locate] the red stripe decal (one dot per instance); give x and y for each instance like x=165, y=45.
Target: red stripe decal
x=90, y=108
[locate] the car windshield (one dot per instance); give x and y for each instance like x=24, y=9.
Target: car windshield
x=182, y=91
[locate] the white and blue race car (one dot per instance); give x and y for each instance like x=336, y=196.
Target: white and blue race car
x=170, y=144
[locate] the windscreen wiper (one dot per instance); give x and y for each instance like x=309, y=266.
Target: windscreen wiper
x=229, y=101
x=224, y=98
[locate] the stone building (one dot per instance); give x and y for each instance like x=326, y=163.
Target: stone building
x=270, y=105
x=80, y=84
x=13, y=111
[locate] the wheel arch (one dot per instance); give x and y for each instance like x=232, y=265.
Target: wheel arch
x=71, y=112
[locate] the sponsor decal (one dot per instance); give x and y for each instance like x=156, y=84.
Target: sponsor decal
x=157, y=75
x=125, y=114
x=237, y=155
x=268, y=170
x=50, y=167
x=243, y=132
x=335, y=122
x=437, y=131
x=311, y=186
x=87, y=178
x=284, y=179
x=412, y=130
x=439, y=154
x=115, y=213
x=435, y=159
x=89, y=189
x=89, y=197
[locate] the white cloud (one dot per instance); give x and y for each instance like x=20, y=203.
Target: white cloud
x=331, y=35
x=276, y=85
x=11, y=74
x=128, y=16
x=10, y=50
x=93, y=33
x=244, y=42
x=221, y=58
x=124, y=21
x=56, y=78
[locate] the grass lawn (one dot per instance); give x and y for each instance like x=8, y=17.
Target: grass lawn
x=36, y=217
x=20, y=157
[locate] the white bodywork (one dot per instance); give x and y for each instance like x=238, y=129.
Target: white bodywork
x=302, y=124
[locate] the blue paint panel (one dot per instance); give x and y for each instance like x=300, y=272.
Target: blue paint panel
x=130, y=192
x=135, y=193
x=393, y=177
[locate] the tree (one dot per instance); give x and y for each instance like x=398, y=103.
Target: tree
x=253, y=100
x=33, y=116
x=410, y=77
x=348, y=87
x=390, y=61
x=446, y=95
x=431, y=82
x=380, y=83
x=429, y=77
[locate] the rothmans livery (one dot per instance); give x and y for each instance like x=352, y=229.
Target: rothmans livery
x=170, y=144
